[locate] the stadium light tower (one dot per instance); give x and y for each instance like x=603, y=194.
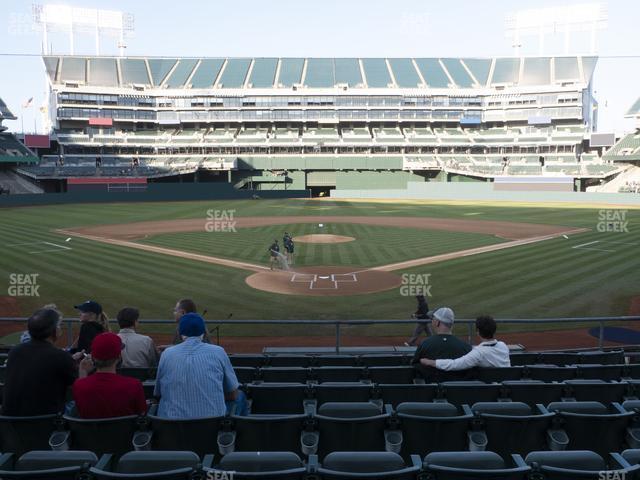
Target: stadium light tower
x=74, y=20
x=583, y=17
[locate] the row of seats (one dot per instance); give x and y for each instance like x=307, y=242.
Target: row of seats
x=412, y=428
x=290, y=398
x=373, y=360
x=176, y=465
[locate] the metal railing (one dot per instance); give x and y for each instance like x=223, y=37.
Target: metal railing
x=214, y=325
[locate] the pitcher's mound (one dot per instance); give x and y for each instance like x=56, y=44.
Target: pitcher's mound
x=323, y=238
x=321, y=281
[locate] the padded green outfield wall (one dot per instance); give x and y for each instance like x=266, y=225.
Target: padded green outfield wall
x=375, y=180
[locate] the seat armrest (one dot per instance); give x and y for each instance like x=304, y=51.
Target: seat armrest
x=310, y=406
x=466, y=409
x=312, y=464
x=518, y=461
x=6, y=461
x=207, y=461
x=104, y=462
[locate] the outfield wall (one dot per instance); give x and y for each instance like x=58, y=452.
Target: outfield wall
x=156, y=192
x=480, y=191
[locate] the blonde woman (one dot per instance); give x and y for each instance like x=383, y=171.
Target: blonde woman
x=93, y=321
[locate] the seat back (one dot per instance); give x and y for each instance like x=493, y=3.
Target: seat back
x=396, y=394
x=338, y=374
x=395, y=374
x=551, y=373
x=533, y=392
x=47, y=459
x=363, y=462
x=108, y=435
x=469, y=392
x=157, y=462
x=615, y=357
x=285, y=374
x=245, y=462
x=197, y=435
x=270, y=433
x=349, y=409
x=22, y=434
x=342, y=392
x=597, y=390
x=432, y=427
x=277, y=398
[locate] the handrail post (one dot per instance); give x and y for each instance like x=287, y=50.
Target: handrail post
x=601, y=335
x=337, y=338
x=470, y=333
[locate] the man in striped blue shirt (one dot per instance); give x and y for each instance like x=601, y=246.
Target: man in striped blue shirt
x=194, y=378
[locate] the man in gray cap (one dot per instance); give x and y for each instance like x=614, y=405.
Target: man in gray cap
x=442, y=345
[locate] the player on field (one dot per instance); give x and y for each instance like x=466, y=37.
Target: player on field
x=274, y=253
x=288, y=247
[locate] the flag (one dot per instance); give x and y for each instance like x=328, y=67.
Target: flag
x=28, y=103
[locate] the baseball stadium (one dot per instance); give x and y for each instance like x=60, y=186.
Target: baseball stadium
x=364, y=267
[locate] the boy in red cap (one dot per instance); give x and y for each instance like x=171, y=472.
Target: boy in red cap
x=106, y=394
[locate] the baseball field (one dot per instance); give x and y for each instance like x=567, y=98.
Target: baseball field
x=366, y=261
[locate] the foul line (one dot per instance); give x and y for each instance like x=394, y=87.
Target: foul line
x=383, y=268
x=169, y=251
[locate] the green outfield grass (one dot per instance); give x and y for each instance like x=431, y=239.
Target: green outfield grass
x=547, y=279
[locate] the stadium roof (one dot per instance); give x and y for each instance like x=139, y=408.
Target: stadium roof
x=5, y=113
x=634, y=111
x=229, y=73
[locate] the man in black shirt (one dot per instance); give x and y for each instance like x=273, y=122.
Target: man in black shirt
x=443, y=345
x=38, y=373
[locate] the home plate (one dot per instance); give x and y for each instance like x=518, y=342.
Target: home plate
x=322, y=277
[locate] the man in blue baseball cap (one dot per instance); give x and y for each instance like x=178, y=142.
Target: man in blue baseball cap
x=195, y=379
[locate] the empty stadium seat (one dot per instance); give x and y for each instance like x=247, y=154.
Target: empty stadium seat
x=379, y=360
x=285, y=374
x=346, y=426
x=368, y=465
x=47, y=464
x=470, y=392
x=432, y=427
x=289, y=361
x=19, y=435
x=395, y=374
x=146, y=465
x=525, y=358
x=277, y=398
x=601, y=372
x=342, y=392
x=260, y=465
x=577, y=464
x=603, y=358
x=498, y=374
x=106, y=435
x=473, y=465
x=513, y=427
x=533, y=392
x=247, y=360
x=393, y=395
x=271, y=433
x=558, y=358
x=338, y=374
x=596, y=390
x=593, y=426
x=335, y=361
x=551, y=373
x=197, y=435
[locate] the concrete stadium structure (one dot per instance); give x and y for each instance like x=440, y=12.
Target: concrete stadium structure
x=323, y=123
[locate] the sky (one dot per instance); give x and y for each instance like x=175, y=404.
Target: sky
x=323, y=28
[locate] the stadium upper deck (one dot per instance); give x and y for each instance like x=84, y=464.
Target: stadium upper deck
x=409, y=117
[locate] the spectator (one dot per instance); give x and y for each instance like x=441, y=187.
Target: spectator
x=194, y=378
x=106, y=394
x=442, y=345
x=37, y=373
x=139, y=350
x=93, y=322
x=489, y=353
x=184, y=306
x=422, y=313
